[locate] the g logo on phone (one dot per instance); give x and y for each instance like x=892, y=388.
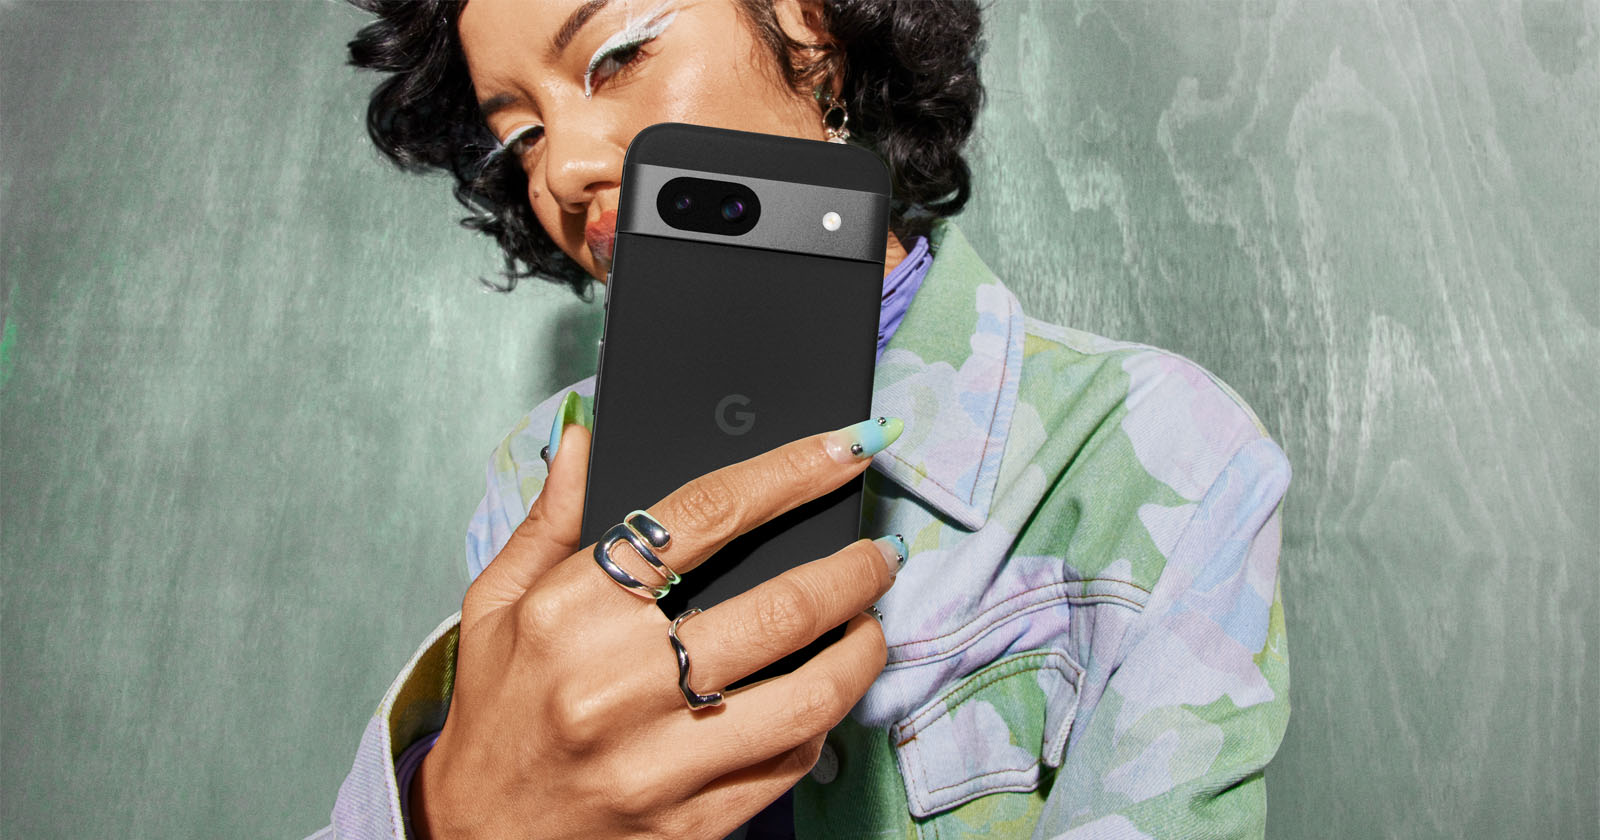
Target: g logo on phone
x=738, y=422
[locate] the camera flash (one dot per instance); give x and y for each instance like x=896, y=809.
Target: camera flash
x=830, y=220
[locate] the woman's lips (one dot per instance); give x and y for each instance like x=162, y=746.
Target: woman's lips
x=600, y=234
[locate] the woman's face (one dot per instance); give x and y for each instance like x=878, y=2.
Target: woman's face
x=569, y=83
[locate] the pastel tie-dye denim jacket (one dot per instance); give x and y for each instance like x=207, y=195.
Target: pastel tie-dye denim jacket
x=1087, y=640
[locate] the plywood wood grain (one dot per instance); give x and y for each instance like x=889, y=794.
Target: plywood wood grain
x=249, y=382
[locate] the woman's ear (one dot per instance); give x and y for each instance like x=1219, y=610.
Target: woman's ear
x=802, y=20
x=805, y=21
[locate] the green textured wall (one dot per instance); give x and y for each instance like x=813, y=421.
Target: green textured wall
x=248, y=382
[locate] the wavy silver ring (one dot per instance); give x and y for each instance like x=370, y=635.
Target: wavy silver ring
x=642, y=531
x=695, y=699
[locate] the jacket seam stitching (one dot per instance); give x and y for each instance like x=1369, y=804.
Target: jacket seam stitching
x=959, y=630
x=1033, y=766
x=1046, y=660
x=994, y=411
x=965, y=690
x=994, y=416
x=1046, y=330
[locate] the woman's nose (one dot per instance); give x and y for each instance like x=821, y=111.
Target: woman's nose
x=581, y=164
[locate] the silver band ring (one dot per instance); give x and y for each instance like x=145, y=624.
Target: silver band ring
x=690, y=696
x=643, y=532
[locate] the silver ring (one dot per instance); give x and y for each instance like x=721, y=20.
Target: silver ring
x=695, y=699
x=643, y=532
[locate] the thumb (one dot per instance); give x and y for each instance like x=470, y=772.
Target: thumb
x=549, y=533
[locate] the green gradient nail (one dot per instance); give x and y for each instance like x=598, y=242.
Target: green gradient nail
x=571, y=407
x=863, y=440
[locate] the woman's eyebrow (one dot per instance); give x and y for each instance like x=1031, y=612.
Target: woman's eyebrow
x=568, y=31
x=575, y=22
x=495, y=104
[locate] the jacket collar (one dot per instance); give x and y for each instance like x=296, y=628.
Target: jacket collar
x=951, y=373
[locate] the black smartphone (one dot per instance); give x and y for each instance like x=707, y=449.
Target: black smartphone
x=741, y=313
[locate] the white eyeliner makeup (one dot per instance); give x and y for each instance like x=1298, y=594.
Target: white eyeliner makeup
x=637, y=30
x=514, y=136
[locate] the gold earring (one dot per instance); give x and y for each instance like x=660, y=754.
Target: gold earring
x=831, y=105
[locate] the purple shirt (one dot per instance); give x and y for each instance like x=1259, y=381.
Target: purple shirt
x=899, y=287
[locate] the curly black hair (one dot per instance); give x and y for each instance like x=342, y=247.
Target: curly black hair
x=910, y=84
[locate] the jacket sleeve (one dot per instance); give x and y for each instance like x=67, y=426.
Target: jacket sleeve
x=368, y=804
x=1177, y=744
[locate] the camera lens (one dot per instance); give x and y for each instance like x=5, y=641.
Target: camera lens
x=686, y=203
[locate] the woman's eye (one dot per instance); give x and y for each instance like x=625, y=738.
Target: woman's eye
x=523, y=139
x=614, y=63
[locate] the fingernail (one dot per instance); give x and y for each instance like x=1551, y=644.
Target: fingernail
x=853, y=444
x=893, y=549
x=567, y=414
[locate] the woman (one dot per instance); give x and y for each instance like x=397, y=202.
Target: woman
x=1079, y=633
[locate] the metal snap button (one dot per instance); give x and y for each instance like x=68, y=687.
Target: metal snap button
x=827, y=767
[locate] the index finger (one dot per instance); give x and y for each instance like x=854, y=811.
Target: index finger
x=709, y=512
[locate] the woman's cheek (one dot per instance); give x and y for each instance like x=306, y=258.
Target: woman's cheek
x=565, y=230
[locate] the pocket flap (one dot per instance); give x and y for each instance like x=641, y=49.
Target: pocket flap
x=988, y=733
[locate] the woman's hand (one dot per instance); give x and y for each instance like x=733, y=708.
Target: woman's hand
x=566, y=718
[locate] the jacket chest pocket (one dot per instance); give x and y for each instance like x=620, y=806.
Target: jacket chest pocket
x=998, y=730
